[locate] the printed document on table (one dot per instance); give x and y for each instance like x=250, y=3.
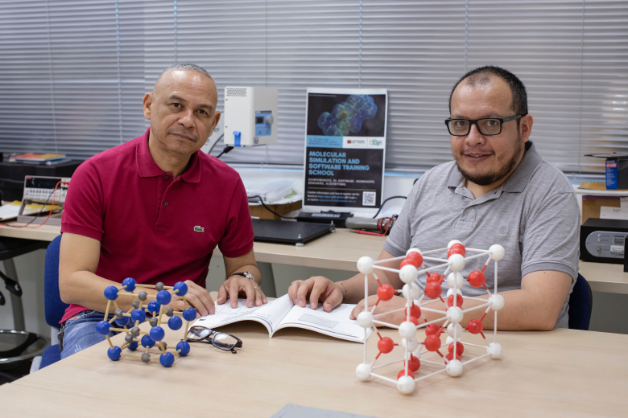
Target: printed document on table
x=282, y=313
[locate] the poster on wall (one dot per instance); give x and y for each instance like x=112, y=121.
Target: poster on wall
x=345, y=149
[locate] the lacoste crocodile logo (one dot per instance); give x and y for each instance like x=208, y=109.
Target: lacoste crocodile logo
x=199, y=229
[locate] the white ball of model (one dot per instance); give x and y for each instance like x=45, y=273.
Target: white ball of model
x=363, y=371
x=496, y=301
x=455, y=279
x=365, y=319
x=405, y=384
x=456, y=262
x=408, y=273
x=365, y=265
x=410, y=344
x=407, y=330
x=454, y=368
x=411, y=291
x=454, y=314
x=495, y=350
x=497, y=252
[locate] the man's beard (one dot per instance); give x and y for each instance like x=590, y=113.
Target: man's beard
x=485, y=179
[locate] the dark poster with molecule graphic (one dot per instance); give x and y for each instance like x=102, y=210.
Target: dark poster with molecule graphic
x=345, y=149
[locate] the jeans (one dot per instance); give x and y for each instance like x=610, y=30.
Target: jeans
x=80, y=332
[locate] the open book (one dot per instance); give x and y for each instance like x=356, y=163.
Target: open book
x=282, y=313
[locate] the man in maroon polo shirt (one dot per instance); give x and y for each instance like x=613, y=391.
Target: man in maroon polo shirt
x=154, y=209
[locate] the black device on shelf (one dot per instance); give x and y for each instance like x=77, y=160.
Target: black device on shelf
x=12, y=175
x=339, y=218
x=603, y=240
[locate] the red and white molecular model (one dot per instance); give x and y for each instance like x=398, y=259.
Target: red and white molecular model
x=411, y=266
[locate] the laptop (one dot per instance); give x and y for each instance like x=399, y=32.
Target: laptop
x=285, y=232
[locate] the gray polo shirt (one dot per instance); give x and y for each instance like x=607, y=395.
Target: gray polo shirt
x=534, y=215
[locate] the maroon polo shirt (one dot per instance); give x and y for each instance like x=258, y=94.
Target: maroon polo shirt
x=150, y=226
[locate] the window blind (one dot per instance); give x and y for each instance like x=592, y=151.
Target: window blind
x=73, y=73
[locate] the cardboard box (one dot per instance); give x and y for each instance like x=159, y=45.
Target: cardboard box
x=261, y=212
x=591, y=205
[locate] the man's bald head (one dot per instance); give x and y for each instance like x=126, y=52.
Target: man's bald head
x=186, y=67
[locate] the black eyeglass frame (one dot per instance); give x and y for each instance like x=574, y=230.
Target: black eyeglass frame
x=209, y=339
x=475, y=122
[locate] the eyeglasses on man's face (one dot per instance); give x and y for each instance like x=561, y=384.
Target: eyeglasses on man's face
x=220, y=340
x=486, y=126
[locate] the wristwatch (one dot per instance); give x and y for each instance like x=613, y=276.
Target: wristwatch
x=245, y=274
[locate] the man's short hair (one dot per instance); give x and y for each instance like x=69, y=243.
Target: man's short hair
x=186, y=67
x=483, y=75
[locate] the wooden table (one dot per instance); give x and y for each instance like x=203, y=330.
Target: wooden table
x=342, y=249
x=561, y=373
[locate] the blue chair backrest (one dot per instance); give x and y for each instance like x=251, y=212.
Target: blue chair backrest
x=53, y=306
x=580, y=305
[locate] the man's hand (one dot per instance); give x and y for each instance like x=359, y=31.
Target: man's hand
x=239, y=285
x=198, y=297
x=316, y=289
x=395, y=306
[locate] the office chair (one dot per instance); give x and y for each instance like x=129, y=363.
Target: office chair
x=54, y=308
x=580, y=305
x=18, y=344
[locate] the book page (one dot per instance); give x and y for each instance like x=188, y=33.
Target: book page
x=335, y=323
x=269, y=315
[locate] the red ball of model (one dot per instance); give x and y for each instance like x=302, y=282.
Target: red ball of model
x=385, y=345
x=412, y=319
x=403, y=373
x=415, y=259
x=434, y=278
x=433, y=290
x=414, y=363
x=432, y=329
x=477, y=278
x=432, y=343
x=475, y=326
x=451, y=356
x=385, y=292
x=459, y=348
x=415, y=311
x=456, y=249
x=450, y=301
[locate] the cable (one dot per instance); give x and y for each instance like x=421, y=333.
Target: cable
x=384, y=228
x=226, y=150
x=384, y=202
x=269, y=209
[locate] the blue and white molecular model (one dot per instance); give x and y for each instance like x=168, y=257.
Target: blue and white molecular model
x=128, y=322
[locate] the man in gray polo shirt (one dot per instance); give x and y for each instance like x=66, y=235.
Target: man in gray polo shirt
x=497, y=191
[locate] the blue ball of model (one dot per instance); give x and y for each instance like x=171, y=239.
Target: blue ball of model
x=122, y=321
x=147, y=341
x=157, y=333
x=114, y=353
x=163, y=297
x=181, y=288
x=189, y=314
x=138, y=315
x=166, y=359
x=183, y=347
x=175, y=323
x=133, y=346
x=153, y=306
x=103, y=327
x=111, y=292
x=130, y=283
